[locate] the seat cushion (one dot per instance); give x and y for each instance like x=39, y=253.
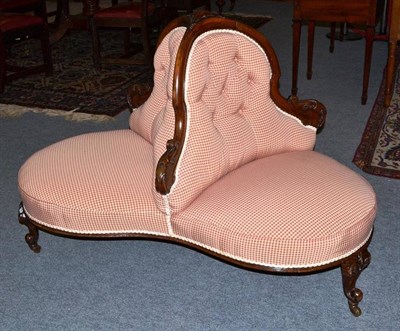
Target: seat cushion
x=93, y=183
x=131, y=10
x=9, y=22
x=16, y=4
x=296, y=209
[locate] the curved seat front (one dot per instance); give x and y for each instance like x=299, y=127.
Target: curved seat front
x=290, y=210
x=97, y=183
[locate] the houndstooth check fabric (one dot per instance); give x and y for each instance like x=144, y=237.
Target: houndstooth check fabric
x=248, y=184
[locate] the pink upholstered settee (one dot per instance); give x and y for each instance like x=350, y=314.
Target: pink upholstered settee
x=215, y=158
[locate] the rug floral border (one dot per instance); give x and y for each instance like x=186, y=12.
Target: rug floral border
x=366, y=151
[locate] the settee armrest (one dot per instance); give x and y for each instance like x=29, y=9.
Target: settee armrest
x=308, y=111
x=138, y=94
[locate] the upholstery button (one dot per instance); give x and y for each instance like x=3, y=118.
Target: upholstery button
x=241, y=109
x=250, y=78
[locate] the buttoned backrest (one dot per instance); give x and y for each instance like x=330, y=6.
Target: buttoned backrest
x=231, y=118
x=143, y=118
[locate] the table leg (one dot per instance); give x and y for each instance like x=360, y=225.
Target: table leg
x=367, y=62
x=68, y=21
x=221, y=4
x=310, y=48
x=296, y=52
x=390, y=68
x=232, y=5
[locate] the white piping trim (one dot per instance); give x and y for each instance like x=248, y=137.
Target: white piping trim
x=275, y=266
x=312, y=128
x=94, y=232
x=167, y=209
x=234, y=257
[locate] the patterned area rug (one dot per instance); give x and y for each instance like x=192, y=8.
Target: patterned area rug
x=379, y=150
x=76, y=90
x=75, y=84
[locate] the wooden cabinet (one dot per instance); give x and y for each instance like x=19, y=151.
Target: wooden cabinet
x=359, y=12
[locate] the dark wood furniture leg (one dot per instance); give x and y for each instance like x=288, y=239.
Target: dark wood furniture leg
x=220, y=5
x=46, y=51
x=57, y=13
x=3, y=54
x=32, y=236
x=310, y=50
x=62, y=21
x=369, y=40
x=390, y=69
x=351, y=269
x=394, y=37
x=232, y=4
x=95, y=44
x=295, y=52
x=332, y=37
x=68, y=21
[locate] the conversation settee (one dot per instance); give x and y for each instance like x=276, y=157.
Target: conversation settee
x=216, y=159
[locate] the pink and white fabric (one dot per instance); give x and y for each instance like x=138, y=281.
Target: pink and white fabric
x=232, y=119
x=102, y=182
x=93, y=183
x=143, y=119
x=289, y=210
x=248, y=183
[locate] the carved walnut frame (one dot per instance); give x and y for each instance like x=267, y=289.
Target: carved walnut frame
x=310, y=112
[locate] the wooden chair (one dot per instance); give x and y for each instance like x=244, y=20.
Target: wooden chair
x=141, y=17
x=16, y=25
x=358, y=12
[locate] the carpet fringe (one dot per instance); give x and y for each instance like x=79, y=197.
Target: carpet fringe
x=8, y=110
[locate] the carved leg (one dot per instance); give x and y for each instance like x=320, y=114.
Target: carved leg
x=32, y=237
x=351, y=270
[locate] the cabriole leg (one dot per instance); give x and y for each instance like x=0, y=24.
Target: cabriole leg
x=32, y=236
x=351, y=270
